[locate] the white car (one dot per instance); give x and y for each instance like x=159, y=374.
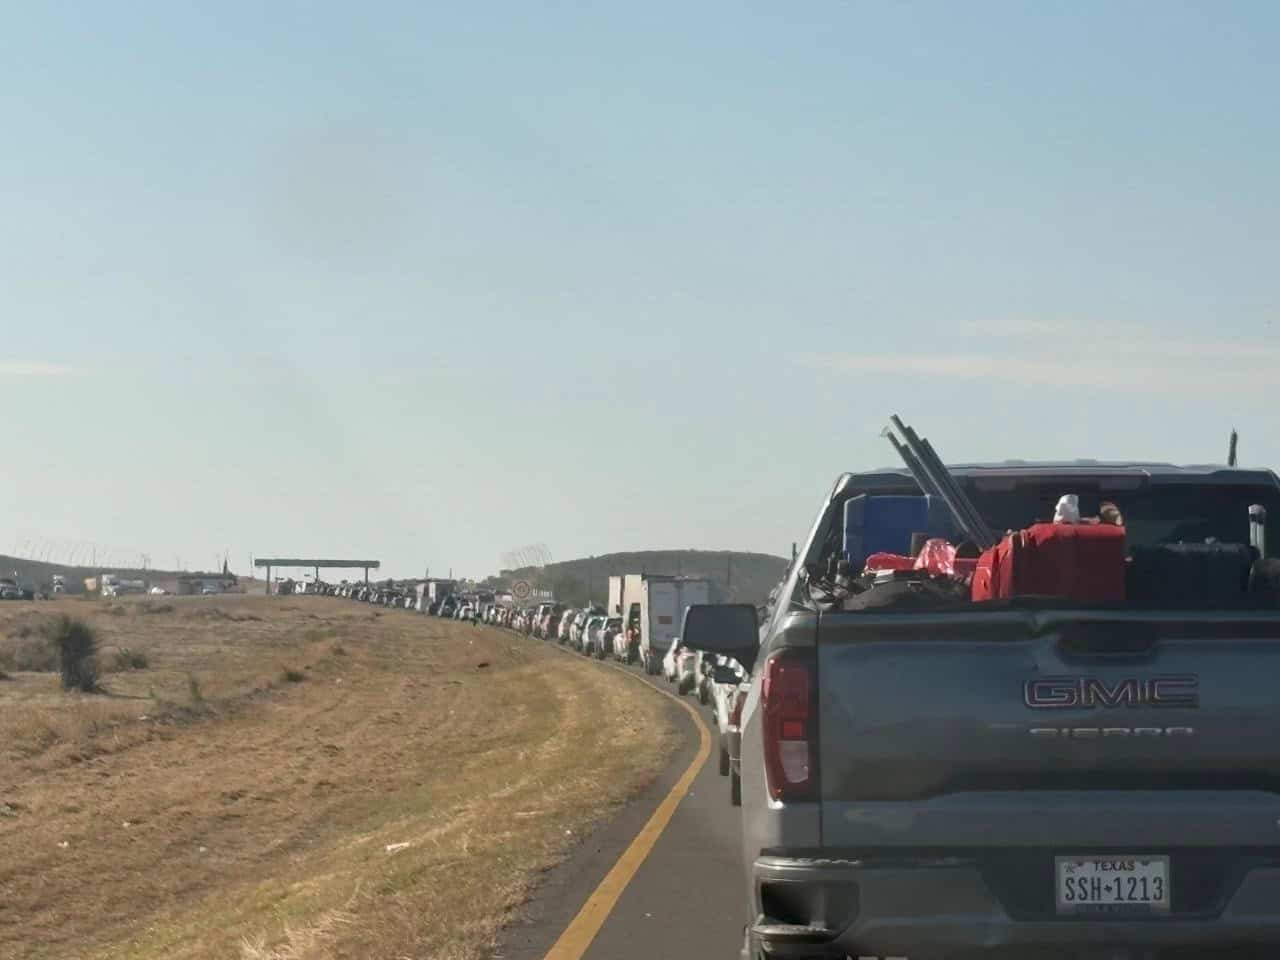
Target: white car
x=565, y=628
x=678, y=663
x=726, y=677
x=576, y=623
x=703, y=669
x=614, y=638
x=577, y=630
x=590, y=636
x=669, y=661
x=732, y=741
x=578, y=638
x=684, y=666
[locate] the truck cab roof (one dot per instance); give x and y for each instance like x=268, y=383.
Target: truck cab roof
x=1121, y=474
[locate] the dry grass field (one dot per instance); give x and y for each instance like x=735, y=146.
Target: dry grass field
x=296, y=778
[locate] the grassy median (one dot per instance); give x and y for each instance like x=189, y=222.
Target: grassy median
x=285, y=779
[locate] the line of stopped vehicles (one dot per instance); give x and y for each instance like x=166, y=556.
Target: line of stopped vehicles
x=719, y=682
x=643, y=629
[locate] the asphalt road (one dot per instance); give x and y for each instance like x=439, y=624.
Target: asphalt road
x=687, y=899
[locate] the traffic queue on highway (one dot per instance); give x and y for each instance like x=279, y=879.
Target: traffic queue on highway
x=719, y=683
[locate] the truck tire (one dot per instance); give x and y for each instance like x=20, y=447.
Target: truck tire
x=735, y=790
x=724, y=760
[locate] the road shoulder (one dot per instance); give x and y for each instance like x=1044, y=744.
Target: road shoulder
x=565, y=888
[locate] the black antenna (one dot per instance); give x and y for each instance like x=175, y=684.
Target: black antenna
x=1231, y=448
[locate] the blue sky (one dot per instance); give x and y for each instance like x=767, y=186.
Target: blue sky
x=429, y=282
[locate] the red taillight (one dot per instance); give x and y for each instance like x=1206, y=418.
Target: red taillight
x=735, y=712
x=788, y=727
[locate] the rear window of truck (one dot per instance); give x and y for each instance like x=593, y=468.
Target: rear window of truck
x=1157, y=514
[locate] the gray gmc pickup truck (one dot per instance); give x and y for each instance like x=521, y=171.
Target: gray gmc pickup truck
x=1014, y=779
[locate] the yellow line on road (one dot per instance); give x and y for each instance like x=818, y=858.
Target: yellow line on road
x=577, y=936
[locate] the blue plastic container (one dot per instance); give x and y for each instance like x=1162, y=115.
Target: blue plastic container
x=884, y=524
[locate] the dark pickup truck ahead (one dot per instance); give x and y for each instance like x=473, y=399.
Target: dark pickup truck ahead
x=1023, y=778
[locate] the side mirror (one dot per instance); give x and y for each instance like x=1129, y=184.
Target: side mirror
x=730, y=629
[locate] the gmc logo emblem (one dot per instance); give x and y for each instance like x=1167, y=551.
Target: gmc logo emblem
x=1090, y=693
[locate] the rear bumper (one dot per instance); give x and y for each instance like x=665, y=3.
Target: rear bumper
x=943, y=907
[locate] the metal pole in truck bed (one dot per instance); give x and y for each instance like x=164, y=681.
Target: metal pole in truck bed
x=922, y=478
x=930, y=479
x=929, y=470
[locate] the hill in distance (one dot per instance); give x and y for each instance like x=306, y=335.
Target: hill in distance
x=736, y=577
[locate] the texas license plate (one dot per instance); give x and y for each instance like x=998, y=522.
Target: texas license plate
x=1123, y=884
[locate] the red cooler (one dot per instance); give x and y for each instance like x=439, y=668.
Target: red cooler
x=1073, y=561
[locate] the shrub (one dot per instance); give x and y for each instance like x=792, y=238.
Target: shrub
x=77, y=647
x=289, y=675
x=339, y=650
x=34, y=654
x=127, y=659
x=158, y=608
x=193, y=690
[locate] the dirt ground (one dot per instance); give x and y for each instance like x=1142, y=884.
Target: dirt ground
x=296, y=778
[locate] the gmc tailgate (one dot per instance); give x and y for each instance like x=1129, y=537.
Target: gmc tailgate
x=1048, y=729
